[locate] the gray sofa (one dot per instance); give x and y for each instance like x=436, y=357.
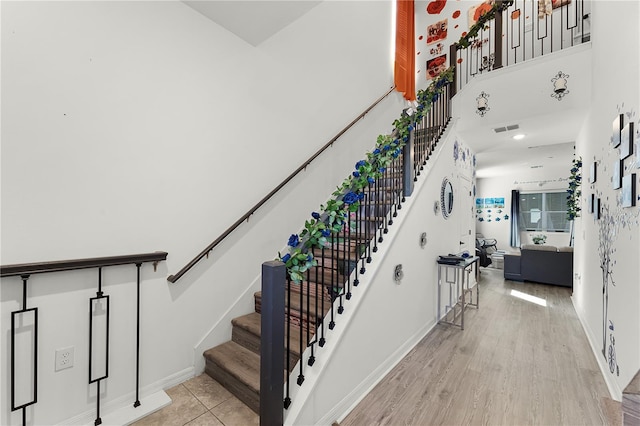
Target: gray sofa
x=541, y=263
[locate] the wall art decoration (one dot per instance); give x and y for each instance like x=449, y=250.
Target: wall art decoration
x=618, y=123
x=436, y=6
x=611, y=353
x=626, y=141
x=629, y=190
x=436, y=66
x=593, y=172
x=617, y=174
x=437, y=32
x=475, y=12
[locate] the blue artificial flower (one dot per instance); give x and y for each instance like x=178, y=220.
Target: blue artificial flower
x=371, y=180
x=309, y=257
x=356, y=174
x=396, y=142
x=326, y=232
x=360, y=163
x=286, y=258
x=406, y=138
x=294, y=240
x=350, y=198
x=435, y=97
x=376, y=151
x=386, y=147
x=441, y=83
x=360, y=196
x=315, y=215
x=410, y=128
x=420, y=107
x=383, y=169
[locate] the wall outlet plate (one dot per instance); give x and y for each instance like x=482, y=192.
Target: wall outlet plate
x=64, y=358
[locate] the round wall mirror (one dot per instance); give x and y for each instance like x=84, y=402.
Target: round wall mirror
x=446, y=197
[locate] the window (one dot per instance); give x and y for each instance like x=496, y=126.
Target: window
x=544, y=211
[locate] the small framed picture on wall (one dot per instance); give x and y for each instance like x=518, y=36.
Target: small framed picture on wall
x=618, y=123
x=629, y=190
x=617, y=174
x=626, y=141
x=593, y=172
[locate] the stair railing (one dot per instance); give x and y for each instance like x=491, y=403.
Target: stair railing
x=205, y=253
x=520, y=30
x=26, y=319
x=326, y=260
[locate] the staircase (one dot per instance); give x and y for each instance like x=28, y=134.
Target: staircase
x=236, y=364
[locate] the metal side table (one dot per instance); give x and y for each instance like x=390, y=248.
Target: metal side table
x=458, y=277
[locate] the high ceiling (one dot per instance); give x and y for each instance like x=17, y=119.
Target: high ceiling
x=254, y=21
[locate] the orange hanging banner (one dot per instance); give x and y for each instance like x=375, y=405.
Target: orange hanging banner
x=405, y=60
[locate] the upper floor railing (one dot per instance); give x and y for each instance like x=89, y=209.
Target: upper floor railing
x=521, y=30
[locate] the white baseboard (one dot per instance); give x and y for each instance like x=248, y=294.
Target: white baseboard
x=614, y=390
x=120, y=411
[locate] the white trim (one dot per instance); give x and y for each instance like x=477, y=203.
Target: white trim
x=614, y=390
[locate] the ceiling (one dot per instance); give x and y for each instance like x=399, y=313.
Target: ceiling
x=254, y=21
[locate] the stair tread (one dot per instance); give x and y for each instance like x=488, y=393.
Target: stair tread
x=252, y=323
x=238, y=361
x=295, y=304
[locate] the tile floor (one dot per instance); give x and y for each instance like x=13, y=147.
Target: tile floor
x=201, y=401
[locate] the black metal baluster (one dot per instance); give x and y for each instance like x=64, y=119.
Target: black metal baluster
x=301, y=331
x=332, y=322
x=14, y=316
x=356, y=248
x=137, y=402
x=339, y=283
x=97, y=380
x=322, y=340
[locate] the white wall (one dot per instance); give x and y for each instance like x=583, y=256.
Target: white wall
x=384, y=319
x=546, y=179
x=617, y=233
x=131, y=127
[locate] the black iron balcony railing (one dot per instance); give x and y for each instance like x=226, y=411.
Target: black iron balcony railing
x=524, y=30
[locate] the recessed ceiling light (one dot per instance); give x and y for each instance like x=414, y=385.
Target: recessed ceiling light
x=518, y=136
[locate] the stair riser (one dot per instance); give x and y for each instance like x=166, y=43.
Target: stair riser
x=249, y=396
x=252, y=342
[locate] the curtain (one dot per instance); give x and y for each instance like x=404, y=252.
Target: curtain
x=405, y=59
x=515, y=219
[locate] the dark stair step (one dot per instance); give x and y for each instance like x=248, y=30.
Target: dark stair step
x=300, y=316
x=238, y=370
x=247, y=330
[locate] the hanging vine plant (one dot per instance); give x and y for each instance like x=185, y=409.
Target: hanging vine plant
x=574, y=192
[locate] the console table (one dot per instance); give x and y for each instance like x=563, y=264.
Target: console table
x=458, y=277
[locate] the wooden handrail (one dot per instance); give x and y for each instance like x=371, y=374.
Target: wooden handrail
x=225, y=234
x=69, y=265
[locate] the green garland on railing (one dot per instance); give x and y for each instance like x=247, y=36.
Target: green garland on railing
x=331, y=219
x=347, y=196
x=574, y=192
x=498, y=7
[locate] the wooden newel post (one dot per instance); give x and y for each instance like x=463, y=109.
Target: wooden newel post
x=272, y=344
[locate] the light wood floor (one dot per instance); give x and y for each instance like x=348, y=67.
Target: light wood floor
x=515, y=363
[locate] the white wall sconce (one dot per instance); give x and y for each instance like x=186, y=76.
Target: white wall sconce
x=482, y=104
x=560, y=85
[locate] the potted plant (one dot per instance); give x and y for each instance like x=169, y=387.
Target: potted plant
x=539, y=239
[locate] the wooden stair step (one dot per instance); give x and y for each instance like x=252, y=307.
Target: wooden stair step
x=247, y=330
x=238, y=370
x=298, y=315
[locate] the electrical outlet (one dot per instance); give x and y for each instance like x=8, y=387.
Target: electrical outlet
x=64, y=358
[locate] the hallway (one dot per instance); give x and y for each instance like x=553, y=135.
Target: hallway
x=516, y=363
